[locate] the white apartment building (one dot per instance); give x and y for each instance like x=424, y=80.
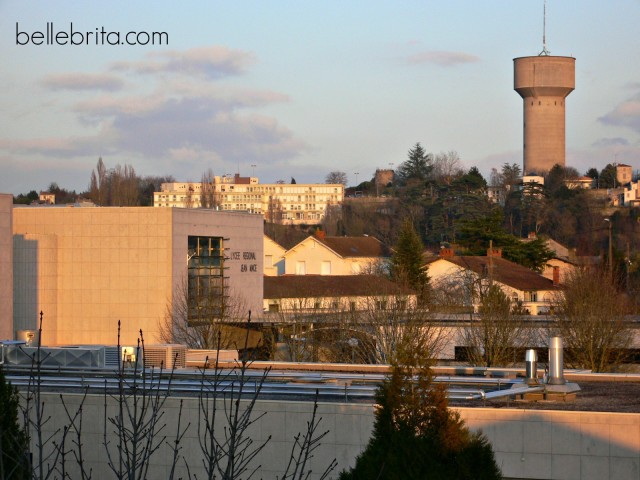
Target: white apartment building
x=277, y=202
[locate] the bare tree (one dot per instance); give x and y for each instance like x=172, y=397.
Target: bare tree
x=138, y=424
x=336, y=177
x=391, y=327
x=590, y=316
x=198, y=318
x=493, y=336
x=208, y=198
x=446, y=167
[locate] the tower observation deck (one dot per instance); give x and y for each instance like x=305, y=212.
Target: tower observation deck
x=543, y=82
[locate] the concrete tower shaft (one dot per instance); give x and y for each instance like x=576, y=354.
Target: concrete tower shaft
x=544, y=82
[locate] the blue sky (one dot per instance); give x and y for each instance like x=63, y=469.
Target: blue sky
x=301, y=88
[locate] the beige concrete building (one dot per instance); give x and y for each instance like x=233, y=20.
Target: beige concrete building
x=6, y=267
x=527, y=443
x=624, y=174
x=543, y=82
x=278, y=202
x=87, y=268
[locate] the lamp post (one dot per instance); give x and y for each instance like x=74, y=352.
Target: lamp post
x=610, y=259
x=253, y=170
x=356, y=174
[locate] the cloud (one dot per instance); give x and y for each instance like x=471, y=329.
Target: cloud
x=83, y=81
x=441, y=58
x=627, y=114
x=610, y=142
x=207, y=62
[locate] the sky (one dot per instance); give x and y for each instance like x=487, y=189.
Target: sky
x=283, y=89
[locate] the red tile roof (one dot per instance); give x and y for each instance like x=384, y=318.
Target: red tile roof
x=504, y=271
x=316, y=286
x=356, y=246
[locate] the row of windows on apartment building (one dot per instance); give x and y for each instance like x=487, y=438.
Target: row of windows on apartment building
x=335, y=305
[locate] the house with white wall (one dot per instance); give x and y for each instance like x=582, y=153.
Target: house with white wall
x=320, y=255
x=467, y=274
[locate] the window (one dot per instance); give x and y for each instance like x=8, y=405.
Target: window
x=355, y=268
x=381, y=304
x=268, y=260
x=301, y=268
x=325, y=268
x=274, y=307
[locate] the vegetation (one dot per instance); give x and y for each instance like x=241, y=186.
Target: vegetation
x=416, y=435
x=407, y=265
x=590, y=318
x=14, y=448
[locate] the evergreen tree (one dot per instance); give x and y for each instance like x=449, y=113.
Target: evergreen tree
x=416, y=435
x=407, y=266
x=417, y=167
x=13, y=441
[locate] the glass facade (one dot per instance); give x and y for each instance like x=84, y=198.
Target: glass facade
x=207, y=287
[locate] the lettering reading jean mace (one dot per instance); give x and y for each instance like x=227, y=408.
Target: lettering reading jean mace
x=98, y=37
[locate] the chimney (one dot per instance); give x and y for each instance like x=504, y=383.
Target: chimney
x=495, y=252
x=447, y=252
x=556, y=276
x=320, y=234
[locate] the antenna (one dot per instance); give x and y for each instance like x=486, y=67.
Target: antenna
x=544, y=31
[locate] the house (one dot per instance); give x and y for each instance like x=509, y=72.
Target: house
x=273, y=257
x=47, y=198
x=332, y=293
x=580, y=183
x=632, y=194
x=320, y=255
x=462, y=276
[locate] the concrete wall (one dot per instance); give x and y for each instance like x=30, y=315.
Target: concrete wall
x=6, y=267
x=528, y=444
x=88, y=268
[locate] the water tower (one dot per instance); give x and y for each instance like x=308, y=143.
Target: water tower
x=543, y=82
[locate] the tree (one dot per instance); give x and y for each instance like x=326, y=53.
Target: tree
x=208, y=197
x=590, y=317
x=446, y=167
x=407, y=266
x=14, y=449
x=416, y=435
x=492, y=337
x=417, y=167
x=216, y=319
x=607, y=177
x=336, y=177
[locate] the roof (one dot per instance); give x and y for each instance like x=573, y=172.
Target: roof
x=315, y=286
x=504, y=271
x=356, y=246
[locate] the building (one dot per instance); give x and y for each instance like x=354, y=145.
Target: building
x=278, y=202
x=624, y=174
x=6, y=267
x=89, y=268
x=543, y=82
x=320, y=255
x=580, y=183
x=632, y=194
x=462, y=276
x=273, y=257
x=315, y=294
x=47, y=198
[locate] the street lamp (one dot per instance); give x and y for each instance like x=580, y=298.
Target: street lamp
x=610, y=259
x=253, y=171
x=356, y=174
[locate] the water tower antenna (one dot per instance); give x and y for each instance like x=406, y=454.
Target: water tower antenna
x=544, y=30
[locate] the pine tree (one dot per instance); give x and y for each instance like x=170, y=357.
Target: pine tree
x=417, y=167
x=13, y=441
x=407, y=266
x=416, y=435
